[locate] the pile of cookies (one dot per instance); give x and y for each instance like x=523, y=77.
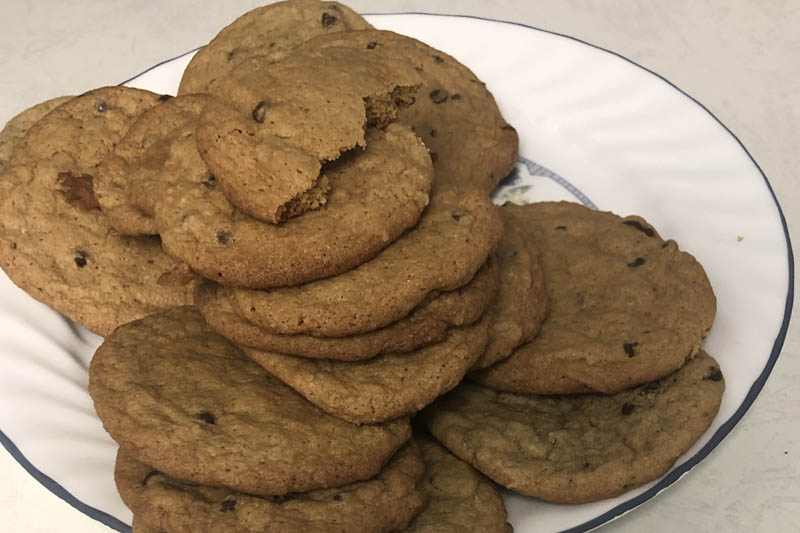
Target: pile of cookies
x=297, y=254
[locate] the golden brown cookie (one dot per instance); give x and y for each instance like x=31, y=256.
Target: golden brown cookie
x=17, y=127
x=442, y=252
x=184, y=400
x=384, y=503
x=521, y=303
x=626, y=307
x=455, y=114
x=459, y=498
x=54, y=241
x=427, y=324
x=579, y=448
x=273, y=30
x=384, y=387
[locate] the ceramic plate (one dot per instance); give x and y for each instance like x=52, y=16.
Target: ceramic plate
x=594, y=128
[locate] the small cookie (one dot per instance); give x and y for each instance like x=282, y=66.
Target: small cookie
x=17, y=127
x=455, y=115
x=377, y=194
x=56, y=243
x=273, y=30
x=459, y=498
x=179, y=397
x=521, y=303
x=580, y=448
x=384, y=503
x=425, y=325
x=384, y=387
x=442, y=252
x=626, y=307
x=273, y=124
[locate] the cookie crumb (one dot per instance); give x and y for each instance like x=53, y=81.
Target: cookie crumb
x=739, y=238
x=227, y=506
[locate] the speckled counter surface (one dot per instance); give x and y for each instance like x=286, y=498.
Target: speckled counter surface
x=740, y=58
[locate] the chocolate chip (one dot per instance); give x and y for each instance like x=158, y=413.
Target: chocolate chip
x=509, y=127
x=207, y=417
x=456, y=96
x=580, y=298
x=149, y=475
x=438, y=96
x=13, y=246
x=627, y=408
x=77, y=190
x=223, y=237
x=459, y=214
x=639, y=261
x=713, y=374
x=630, y=348
x=337, y=497
x=328, y=20
x=433, y=132
x=438, y=59
x=586, y=466
x=260, y=112
x=227, y=506
x=210, y=182
x=434, y=157
x=80, y=258
x=102, y=106
x=232, y=53
x=641, y=227
x=562, y=228
x=164, y=97
x=372, y=45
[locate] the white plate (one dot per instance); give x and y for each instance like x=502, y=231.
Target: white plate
x=626, y=139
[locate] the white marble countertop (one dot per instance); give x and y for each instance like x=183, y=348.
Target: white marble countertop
x=740, y=58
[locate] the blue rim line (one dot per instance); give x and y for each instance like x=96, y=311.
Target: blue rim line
x=622, y=508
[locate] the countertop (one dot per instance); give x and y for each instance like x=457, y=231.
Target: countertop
x=741, y=59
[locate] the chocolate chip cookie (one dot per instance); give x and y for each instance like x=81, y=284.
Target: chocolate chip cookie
x=626, y=306
x=187, y=402
x=579, y=448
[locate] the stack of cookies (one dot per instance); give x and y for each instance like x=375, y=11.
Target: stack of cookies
x=297, y=254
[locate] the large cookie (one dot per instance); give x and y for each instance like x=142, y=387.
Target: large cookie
x=17, y=127
x=455, y=115
x=384, y=387
x=459, y=498
x=579, y=448
x=56, y=243
x=427, y=324
x=442, y=252
x=521, y=303
x=184, y=400
x=273, y=30
x=385, y=503
x=276, y=123
x=376, y=195
x=626, y=307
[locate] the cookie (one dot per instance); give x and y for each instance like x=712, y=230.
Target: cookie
x=521, y=303
x=275, y=123
x=156, y=153
x=273, y=31
x=580, y=448
x=459, y=498
x=427, y=324
x=184, y=400
x=626, y=307
x=384, y=387
x=455, y=114
x=17, y=127
x=385, y=503
x=54, y=241
x=442, y=252
x=377, y=195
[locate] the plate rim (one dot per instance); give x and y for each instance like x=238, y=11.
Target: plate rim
x=666, y=481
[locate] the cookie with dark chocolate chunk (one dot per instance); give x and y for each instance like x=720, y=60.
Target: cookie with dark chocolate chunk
x=187, y=402
x=384, y=503
x=56, y=244
x=626, y=306
x=427, y=324
x=455, y=114
x=273, y=31
x=579, y=448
